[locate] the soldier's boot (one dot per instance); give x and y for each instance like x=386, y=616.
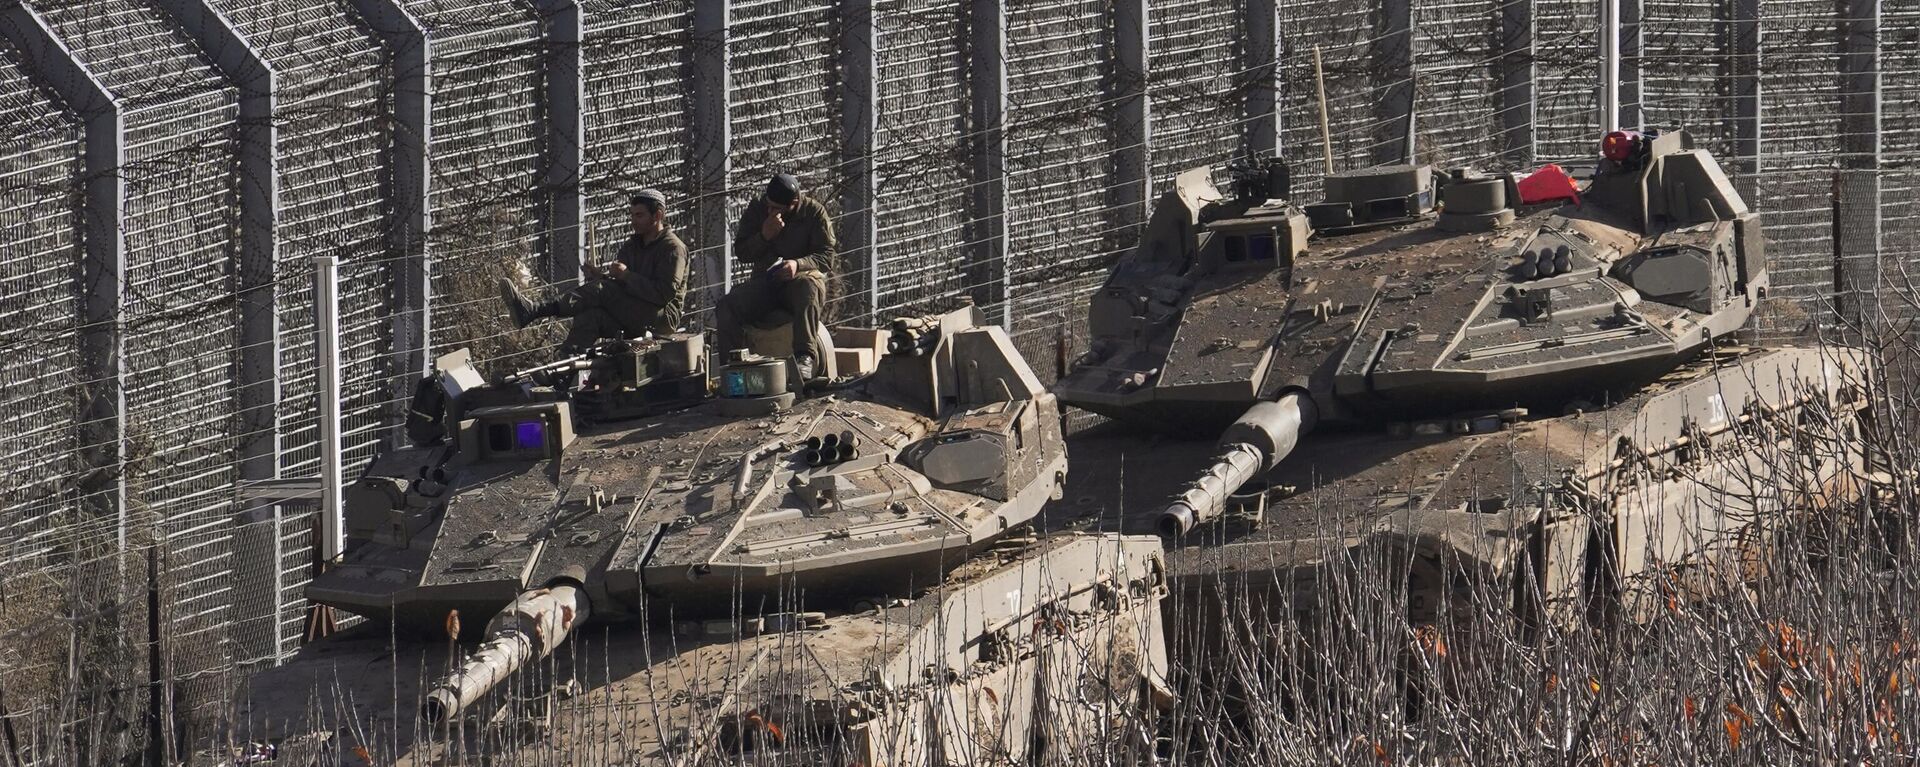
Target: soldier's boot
x=517, y=305
x=524, y=311
x=804, y=365
x=805, y=298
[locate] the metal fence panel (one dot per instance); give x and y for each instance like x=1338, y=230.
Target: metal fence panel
x=636, y=114
x=1566, y=69
x=1198, y=85
x=181, y=337
x=485, y=158
x=40, y=167
x=1455, y=59
x=920, y=153
x=1060, y=219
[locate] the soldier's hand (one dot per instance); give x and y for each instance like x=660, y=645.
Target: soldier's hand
x=787, y=269
x=616, y=269
x=592, y=270
x=771, y=226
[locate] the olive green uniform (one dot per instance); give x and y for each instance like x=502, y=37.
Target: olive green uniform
x=764, y=301
x=649, y=296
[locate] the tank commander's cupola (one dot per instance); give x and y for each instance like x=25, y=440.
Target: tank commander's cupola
x=1471, y=202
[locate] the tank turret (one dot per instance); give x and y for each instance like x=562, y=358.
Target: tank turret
x=1512, y=308
x=634, y=483
x=1391, y=315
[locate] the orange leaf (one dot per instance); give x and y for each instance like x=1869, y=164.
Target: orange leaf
x=1893, y=683
x=1686, y=705
x=995, y=699
x=778, y=736
x=1380, y=753
x=1733, y=732
x=1594, y=685
x=361, y=751
x=1553, y=681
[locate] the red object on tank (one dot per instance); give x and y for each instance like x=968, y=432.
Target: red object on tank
x=1548, y=184
x=1619, y=145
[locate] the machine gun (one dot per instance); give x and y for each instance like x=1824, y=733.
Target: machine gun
x=620, y=379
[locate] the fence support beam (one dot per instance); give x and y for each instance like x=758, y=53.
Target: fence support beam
x=859, y=119
x=1515, y=99
x=326, y=364
x=562, y=27
x=1261, y=59
x=1132, y=115
x=712, y=145
x=1393, y=62
x=1743, y=62
x=103, y=490
x=1631, y=45
x=407, y=184
x=1858, y=240
x=259, y=387
x=986, y=268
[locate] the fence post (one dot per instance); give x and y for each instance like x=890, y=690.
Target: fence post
x=1132, y=118
x=1609, y=65
x=326, y=325
x=1262, y=57
x=1515, y=100
x=562, y=27
x=258, y=387
x=407, y=182
x=1631, y=47
x=1858, y=243
x=1744, y=61
x=1394, y=73
x=712, y=145
x=986, y=270
x=859, y=119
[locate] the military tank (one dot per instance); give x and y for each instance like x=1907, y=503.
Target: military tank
x=838, y=566
x=1480, y=383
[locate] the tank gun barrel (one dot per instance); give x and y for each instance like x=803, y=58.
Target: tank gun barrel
x=1254, y=444
x=528, y=629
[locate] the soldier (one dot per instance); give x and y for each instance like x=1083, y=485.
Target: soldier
x=641, y=290
x=788, y=238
